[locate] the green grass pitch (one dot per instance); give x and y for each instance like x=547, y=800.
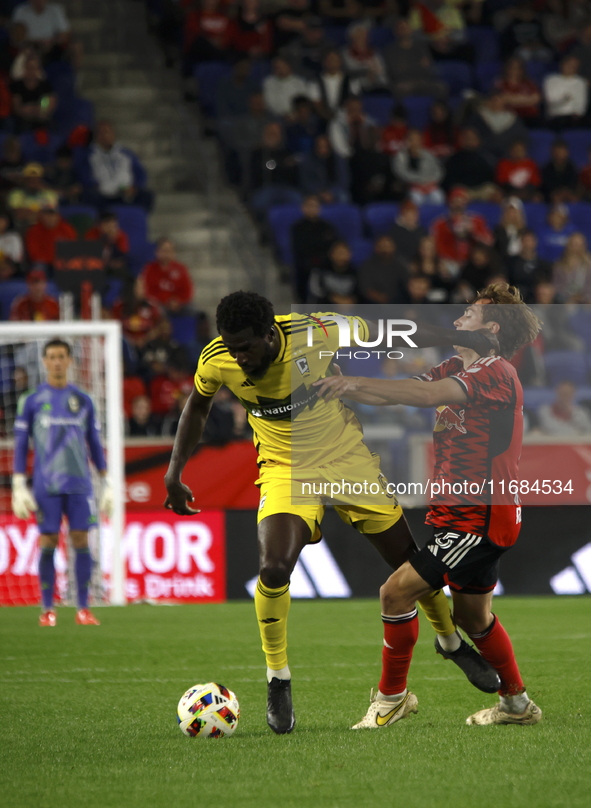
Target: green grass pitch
x=88, y=715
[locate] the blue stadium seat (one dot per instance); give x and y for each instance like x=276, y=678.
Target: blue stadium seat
x=361, y=249
x=540, y=143
x=281, y=218
x=40, y=152
x=380, y=37
x=134, y=221
x=490, y=212
x=78, y=210
x=579, y=143
x=535, y=215
x=417, y=108
x=537, y=71
x=580, y=323
x=564, y=366
x=378, y=107
x=379, y=217
x=534, y=397
x=336, y=34
x=485, y=41
x=345, y=218
x=70, y=112
x=62, y=78
x=183, y=327
x=208, y=75
x=457, y=75
x=8, y=291
x=428, y=213
x=141, y=257
x=580, y=214
x=486, y=73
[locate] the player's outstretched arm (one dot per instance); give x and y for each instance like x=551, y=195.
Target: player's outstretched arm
x=414, y=392
x=187, y=437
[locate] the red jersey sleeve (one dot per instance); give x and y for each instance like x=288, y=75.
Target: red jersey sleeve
x=489, y=381
x=446, y=368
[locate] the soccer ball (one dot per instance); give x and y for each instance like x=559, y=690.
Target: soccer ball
x=208, y=711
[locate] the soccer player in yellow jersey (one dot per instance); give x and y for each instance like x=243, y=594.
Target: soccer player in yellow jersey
x=265, y=361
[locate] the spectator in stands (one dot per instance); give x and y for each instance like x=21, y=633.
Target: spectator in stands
x=240, y=136
x=524, y=35
x=26, y=202
x=419, y=170
x=160, y=352
x=582, y=50
x=234, y=90
x=518, y=175
x=304, y=126
x=428, y=263
x=584, y=191
x=443, y=25
x=457, y=230
x=381, y=276
x=115, y=171
x=115, y=245
x=281, y=87
x=558, y=333
x=306, y=53
x=406, y=231
x=323, y=173
x=289, y=22
x=522, y=95
x=41, y=238
x=11, y=243
x=332, y=87
x=482, y=265
x=563, y=417
x=36, y=304
x=350, y=128
x=207, y=32
x=339, y=12
x=409, y=66
x=33, y=99
x=559, y=175
x=252, y=31
x=440, y=135
x=273, y=173
x=5, y=106
x=11, y=164
x=142, y=423
x=140, y=318
x=498, y=126
x=170, y=422
x=361, y=61
x=554, y=236
x=311, y=239
x=167, y=389
x=62, y=176
x=566, y=96
x=369, y=169
x=572, y=272
x=336, y=282
x=167, y=280
x=469, y=168
x=47, y=27
x=527, y=269
x=509, y=232
x=393, y=135
x=415, y=292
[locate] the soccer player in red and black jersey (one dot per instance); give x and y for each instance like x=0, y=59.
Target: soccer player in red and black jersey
x=475, y=518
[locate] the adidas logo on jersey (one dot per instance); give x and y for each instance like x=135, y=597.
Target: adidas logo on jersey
x=247, y=383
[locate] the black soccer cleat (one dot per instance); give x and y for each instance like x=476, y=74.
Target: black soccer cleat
x=280, y=714
x=479, y=672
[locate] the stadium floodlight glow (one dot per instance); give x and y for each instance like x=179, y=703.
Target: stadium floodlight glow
x=96, y=348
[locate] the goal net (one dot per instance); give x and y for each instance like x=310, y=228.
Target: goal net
x=96, y=369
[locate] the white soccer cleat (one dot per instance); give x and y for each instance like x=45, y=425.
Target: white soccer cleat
x=495, y=715
x=384, y=713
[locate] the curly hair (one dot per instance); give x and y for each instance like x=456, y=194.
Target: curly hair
x=518, y=323
x=240, y=310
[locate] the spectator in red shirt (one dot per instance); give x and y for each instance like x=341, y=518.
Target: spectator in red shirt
x=252, y=32
x=207, y=33
x=518, y=175
x=457, y=230
x=440, y=136
x=521, y=94
x=140, y=317
x=5, y=103
x=115, y=245
x=36, y=304
x=167, y=280
x=165, y=390
x=393, y=135
x=41, y=238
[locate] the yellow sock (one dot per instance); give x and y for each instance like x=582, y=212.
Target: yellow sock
x=272, y=608
x=437, y=612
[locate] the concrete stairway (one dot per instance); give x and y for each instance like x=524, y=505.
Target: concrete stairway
x=124, y=75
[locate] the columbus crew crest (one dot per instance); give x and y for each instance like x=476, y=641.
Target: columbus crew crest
x=303, y=366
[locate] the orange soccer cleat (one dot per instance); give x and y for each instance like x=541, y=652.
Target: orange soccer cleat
x=48, y=618
x=84, y=617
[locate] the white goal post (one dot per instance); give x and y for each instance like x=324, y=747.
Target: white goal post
x=96, y=348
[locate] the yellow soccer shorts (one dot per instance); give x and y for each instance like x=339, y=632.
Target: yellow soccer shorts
x=353, y=484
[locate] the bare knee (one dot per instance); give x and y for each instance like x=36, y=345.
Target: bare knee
x=473, y=622
x=395, y=595
x=79, y=539
x=275, y=574
x=48, y=541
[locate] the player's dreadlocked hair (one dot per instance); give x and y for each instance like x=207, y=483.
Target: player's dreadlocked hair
x=518, y=323
x=241, y=310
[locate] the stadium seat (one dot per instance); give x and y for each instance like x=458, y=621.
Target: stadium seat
x=428, y=213
x=336, y=34
x=280, y=219
x=486, y=74
x=183, y=327
x=417, y=108
x=485, y=41
x=580, y=214
x=457, y=75
x=379, y=217
x=535, y=215
x=537, y=71
x=564, y=366
x=142, y=256
x=490, y=212
x=81, y=217
x=345, y=218
x=361, y=249
x=134, y=222
x=36, y=152
x=380, y=37
x=540, y=143
x=208, y=75
x=378, y=107
x=579, y=143
x=580, y=322
x=534, y=397
x=8, y=291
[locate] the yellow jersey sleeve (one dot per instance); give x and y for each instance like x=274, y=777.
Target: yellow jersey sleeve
x=207, y=376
